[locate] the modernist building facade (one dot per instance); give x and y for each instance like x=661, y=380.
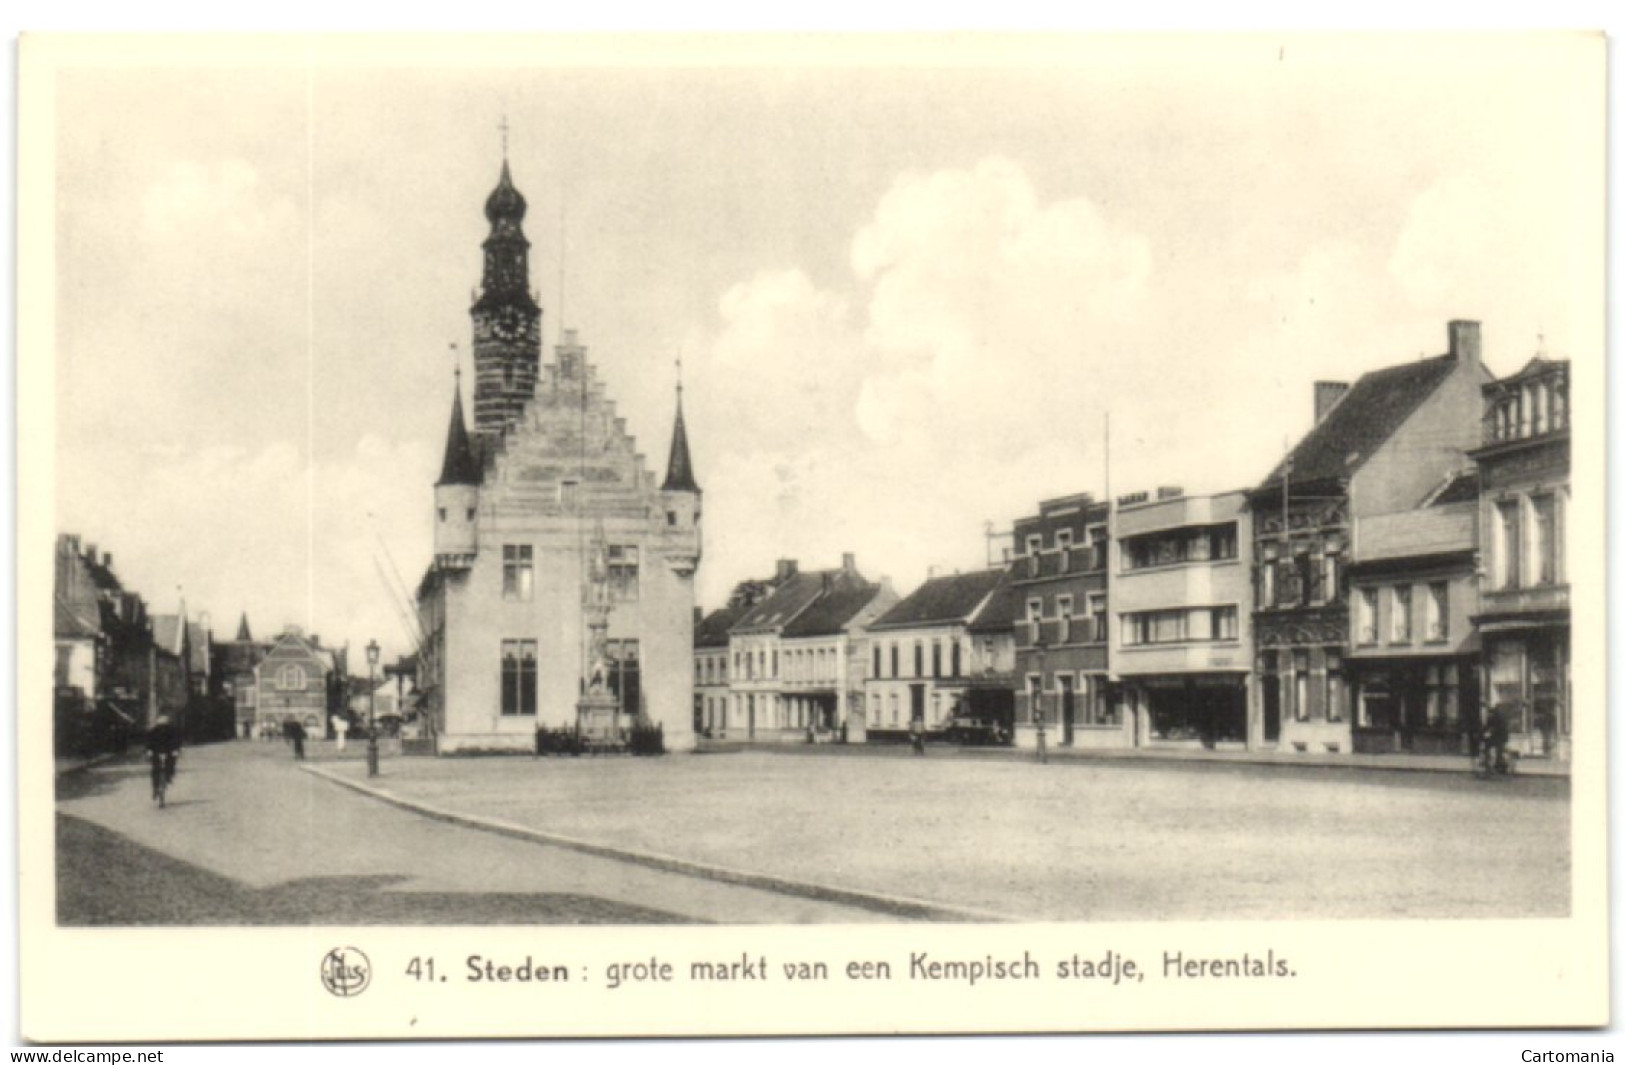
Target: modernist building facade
x=547, y=524
x=922, y=655
x=1060, y=576
x=1412, y=661
x=1377, y=448
x=1181, y=648
x=1523, y=618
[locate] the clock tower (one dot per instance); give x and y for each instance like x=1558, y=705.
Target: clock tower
x=507, y=320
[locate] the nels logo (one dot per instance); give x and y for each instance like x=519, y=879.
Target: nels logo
x=346, y=972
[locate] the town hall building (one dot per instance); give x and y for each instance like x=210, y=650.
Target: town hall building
x=561, y=595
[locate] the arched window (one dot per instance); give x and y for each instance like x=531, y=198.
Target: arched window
x=290, y=678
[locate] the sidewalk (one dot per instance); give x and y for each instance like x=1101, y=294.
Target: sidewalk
x=1426, y=763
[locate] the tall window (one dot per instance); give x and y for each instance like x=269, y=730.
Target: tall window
x=936, y=658
x=1365, y=615
x=1443, y=705
x=623, y=572
x=1063, y=544
x=1334, y=687
x=625, y=674
x=290, y=678
x=956, y=659
x=1399, y=624
x=1225, y=623
x=517, y=572
x=1507, y=552
x=919, y=659
x=1063, y=610
x=1097, y=546
x=1266, y=583
x=1300, y=685
x=518, y=678
x=894, y=658
x=1438, y=611
x=1542, y=541
x=877, y=658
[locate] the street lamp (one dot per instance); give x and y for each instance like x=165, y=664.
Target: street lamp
x=372, y=728
x=1038, y=702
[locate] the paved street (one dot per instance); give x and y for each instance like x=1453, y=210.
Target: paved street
x=1085, y=840
x=250, y=838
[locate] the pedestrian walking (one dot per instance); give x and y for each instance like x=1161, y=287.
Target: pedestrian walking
x=916, y=735
x=296, y=733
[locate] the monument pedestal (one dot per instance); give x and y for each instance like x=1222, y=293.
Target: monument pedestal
x=597, y=716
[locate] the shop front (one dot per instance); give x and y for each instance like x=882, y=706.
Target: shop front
x=1417, y=705
x=1190, y=710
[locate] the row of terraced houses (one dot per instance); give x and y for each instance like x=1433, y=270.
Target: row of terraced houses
x=1399, y=573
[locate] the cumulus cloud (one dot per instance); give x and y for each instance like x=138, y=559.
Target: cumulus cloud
x=981, y=295
x=955, y=377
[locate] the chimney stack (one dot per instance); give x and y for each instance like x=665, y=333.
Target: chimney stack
x=1327, y=393
x=107, y=560
x=1464, y=346
x=784, y=570
x=849, y=563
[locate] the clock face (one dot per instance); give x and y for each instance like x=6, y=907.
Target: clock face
x=509, y=323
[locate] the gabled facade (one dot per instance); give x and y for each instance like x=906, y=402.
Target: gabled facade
x=824, y=651
x=1060, y=574
x=1523, y=616
x=1377, y=447
x=713, y=714
x=562, y=567
x=922, y=656
x=293, y=681
x=765, y=703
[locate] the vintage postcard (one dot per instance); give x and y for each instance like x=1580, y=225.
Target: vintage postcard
x=614, y=535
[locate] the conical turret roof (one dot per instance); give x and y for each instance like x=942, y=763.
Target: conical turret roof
x=460, y=465
x=679, y=467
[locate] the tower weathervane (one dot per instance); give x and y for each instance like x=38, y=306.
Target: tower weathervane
x=503, y=126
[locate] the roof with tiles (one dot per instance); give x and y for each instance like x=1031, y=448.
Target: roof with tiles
x=1353, y=430
x=942, y=600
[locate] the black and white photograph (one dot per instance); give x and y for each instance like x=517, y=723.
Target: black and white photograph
x=876, y=534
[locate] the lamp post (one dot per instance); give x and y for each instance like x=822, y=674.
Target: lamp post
x=1038, y=703
x=372, y=728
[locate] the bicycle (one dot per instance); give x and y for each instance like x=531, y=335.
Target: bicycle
x=1491, y=760
x=163, y=775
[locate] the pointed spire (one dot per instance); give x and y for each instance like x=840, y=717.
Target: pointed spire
x=243, y=635
x=459, y=466
x=679, y=468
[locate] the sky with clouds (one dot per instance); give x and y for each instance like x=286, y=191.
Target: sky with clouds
x=908, y=285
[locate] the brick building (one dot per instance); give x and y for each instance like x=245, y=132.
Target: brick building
x=1060, y=576
x=1378, y=447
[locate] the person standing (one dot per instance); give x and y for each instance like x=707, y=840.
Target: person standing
x=296, y=733
x=163, y=747
x=916, y=734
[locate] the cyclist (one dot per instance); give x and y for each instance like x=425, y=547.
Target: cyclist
x=163, y=747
